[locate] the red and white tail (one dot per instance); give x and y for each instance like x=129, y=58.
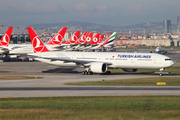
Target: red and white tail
x=101, y=38
x=57, y=39
x=6, y=37
x=89, y=38
x=38, y=45
x=95, y=39
x=82, y=38
x=73, y=38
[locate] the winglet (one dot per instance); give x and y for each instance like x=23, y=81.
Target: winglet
x=57, y=39
x=6, y=37
x=38, y=45
x=73, y=38
x=110, y=39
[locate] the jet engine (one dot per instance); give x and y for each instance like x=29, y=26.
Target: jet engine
x=98, y=67
x=129, y=70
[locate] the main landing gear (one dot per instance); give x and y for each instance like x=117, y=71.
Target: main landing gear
x=90, y=73
x=87, y=72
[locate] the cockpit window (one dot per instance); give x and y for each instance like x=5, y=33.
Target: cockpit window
x=167, y=59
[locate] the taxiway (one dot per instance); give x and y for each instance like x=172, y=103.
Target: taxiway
x=54, y=77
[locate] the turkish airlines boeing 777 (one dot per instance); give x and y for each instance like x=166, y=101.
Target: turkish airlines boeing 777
x=98, y=62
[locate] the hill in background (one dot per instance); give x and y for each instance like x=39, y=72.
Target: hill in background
x=155, y=27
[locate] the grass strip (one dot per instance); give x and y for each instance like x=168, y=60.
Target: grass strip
x=113, y=107
x=150, y=81
x=4, y=71
x=17, y=77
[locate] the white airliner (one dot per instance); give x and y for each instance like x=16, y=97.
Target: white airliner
x=98, y=62
x=160, y=50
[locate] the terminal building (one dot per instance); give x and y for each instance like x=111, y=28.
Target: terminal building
x=18, y=38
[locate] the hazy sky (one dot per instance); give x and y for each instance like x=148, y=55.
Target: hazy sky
x=106, y=12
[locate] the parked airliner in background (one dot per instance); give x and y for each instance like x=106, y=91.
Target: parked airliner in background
x=160, y=50
x=4, y=42
x=23, y=49
x=98, y=62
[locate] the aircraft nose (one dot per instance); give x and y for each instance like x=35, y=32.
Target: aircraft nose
x=171, y=63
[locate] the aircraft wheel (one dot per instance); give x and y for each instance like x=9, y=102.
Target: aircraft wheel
x=86, y=72
x=160, y=74
x=89, y=72
x=83, y=72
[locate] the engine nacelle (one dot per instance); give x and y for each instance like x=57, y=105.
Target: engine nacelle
x=129, y=70
x=98, y=67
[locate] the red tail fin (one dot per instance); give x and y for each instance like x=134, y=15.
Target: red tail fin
x=82, y=38
x=73, y=38
x=57, y=39
x=101, y=38
x=89, y=38
x=6, y=37
x=95, y=39
x=38, y=45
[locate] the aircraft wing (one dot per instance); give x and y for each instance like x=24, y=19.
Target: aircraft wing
x=66, y=59
x=3, y=50
x=65, y=46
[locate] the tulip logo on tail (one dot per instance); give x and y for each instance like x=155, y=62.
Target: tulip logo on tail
x=95, y=39
x=57, y=40
x=5, y=40
x=73, y=39
x=82, y=38
x=88, y=39
x=37, y=45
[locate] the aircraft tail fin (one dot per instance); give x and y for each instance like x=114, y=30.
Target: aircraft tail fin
x=57, y=39
x=89, y=38
x=110, y=40
x=38, y=45
x=73, y=38
x=6, y=37
x=82, y=38
x=101, y=38
x=95, y=39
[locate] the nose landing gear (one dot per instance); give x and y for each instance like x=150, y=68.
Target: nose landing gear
x=161, y=71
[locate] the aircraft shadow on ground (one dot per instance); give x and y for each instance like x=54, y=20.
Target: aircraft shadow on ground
x=78, y=71
x=61, y=70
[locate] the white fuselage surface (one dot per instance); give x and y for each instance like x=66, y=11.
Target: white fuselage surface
x=113, y=59
x=26, y=48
